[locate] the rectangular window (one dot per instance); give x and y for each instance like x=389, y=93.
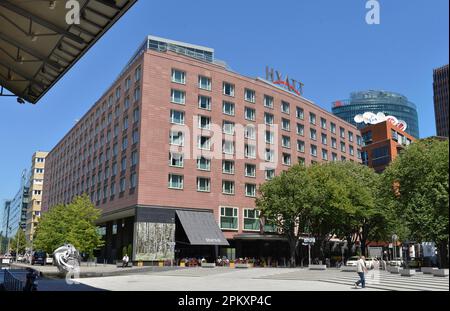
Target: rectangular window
x=268, y=118
x=250, y=170
x=135, y=136
x=203, y=184
x=228, y=167
x=228, y=108
x=228, y=187
x=137, y=94
x=178, y=76
x=358, y=140
x=123, y=164
x=299, y=113
x=122, y=185
x=251, y=220
x=285, y=124
x=334, y=157
x=250, y=190
x=250, y=151
x=137, y=74
x=342, y=132
x=301, y=161
x=250, y=132
x=300, y=129
x=333, y=143
x=177, y=117
x=324, y=154
x=204, y=143
x=124, y=143
x=204, y=83
x=229, y=218
x=175, y=181
x=269, y=155
x=333, y=128
x=286, y=159
x=204, y=102
x=228, y=89
x=269, y=174
x=228, y=147
x=135, y=115
x=228, y=127
x=178, y=97
x=324, y=139
x=134, y=158
x=269, y=137
x=313, y=134
x=268, y=101
x=285, y=107
x=314, y=150
x=300, y=146
x=249, y=95
x=204, y=122
x=286, y=141
x=176, y=159
x=125, y=124
x=176, y=138
x=312, y=118
x=351, y=150
x=350, y=136
x=323, y=123
x=342, y=147
x=203, y=164
x=250, y=114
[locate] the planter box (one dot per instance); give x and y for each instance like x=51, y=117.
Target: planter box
x=440, y=272
x=242, y=265
x=348, y=269
x=428, y=270
x=208, y=265
x=395, y=270
x=407, y=272
x=317, y=267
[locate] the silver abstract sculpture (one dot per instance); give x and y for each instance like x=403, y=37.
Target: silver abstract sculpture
x=67, y=258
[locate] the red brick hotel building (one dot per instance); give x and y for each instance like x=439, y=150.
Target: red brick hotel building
x=174, y=151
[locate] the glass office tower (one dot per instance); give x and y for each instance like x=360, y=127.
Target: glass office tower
x=389, y=103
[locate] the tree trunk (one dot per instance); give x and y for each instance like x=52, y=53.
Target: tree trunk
x=292, y=248
x=443, y=260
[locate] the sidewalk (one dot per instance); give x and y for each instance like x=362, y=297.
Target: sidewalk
x=99, y=270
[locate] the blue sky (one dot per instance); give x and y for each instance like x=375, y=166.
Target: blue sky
x=326, y=44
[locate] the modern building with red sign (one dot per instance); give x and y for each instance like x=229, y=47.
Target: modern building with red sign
x=382, y=144
x=174, y=151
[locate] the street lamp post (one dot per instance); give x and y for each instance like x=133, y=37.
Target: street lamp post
x=394, y=245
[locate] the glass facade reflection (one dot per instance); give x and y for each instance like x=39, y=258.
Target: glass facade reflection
x=389, y=103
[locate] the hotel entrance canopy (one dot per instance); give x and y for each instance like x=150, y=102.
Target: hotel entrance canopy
x=201, y=228
x=41, y=40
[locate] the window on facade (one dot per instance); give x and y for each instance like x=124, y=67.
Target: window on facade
x=350, y=136
x=300, y=129
x=250, y=132
x=137, y=94
x=176, y=138
x=227, y=187
x=333, y=143
x=313, y=134
x=228, y=167
x=177, y=117
x=176, y=159
x=203, y=163
x=324, y=154
x=300, y=113
x=251, y=219
x=269, y=155
x=228, y=89
x=324, y=139
x=178, y=97
x=358, y=140
x=268, y=101
x=204, y=83
x=351, y=150
x=175, y=181
x=250, y=190
x=204, y=143
x=250, y=170
x=268, y=118
x=312, y=118
x=314, y=150
x=127, y=83
x=134, y=158
x=204, y=122
x=136, y=115
x=229, y=218
x=204, y=102
x=269, y=174
x=228, y=127
x=334, y=156
x=133, y=181
x=285, y=107
x=126, y=103
x=135, y=136
x=203, y=184
x=124, y=143
x=249, y=95
x=300, y=146
x=228, y=147
x=137, y=74
x=342, y=147
x=122, y=185
x=228, y=108
x=178, y=76
x=123, y=163
x=125, y=123
x=250, y=114
x=301, y=161
x=323, y=123
x=286, y=159
x=113, y=170
x=269, y=137
x=250, y=151
x=342, y=132
x=333, y=128
x=286, y=141
x=285, y=124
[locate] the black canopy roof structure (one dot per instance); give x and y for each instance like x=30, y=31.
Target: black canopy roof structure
x=41, y=40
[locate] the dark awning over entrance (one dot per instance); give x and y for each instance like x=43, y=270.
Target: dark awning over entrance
x=201, y=228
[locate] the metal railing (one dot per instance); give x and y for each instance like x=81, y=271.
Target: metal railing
x=11, y=283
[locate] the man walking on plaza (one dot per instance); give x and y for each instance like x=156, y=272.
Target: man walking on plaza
x=361, y=269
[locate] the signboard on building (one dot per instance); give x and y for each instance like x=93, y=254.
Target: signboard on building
x=285, y=82
x=372, y=118
x=375, y=251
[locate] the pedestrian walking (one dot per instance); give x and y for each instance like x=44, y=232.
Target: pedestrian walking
x=361, y=269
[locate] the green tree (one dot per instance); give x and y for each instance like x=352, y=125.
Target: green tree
x=18, y=242
x=416, y=187
x=73, y=223
x=284, y=202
